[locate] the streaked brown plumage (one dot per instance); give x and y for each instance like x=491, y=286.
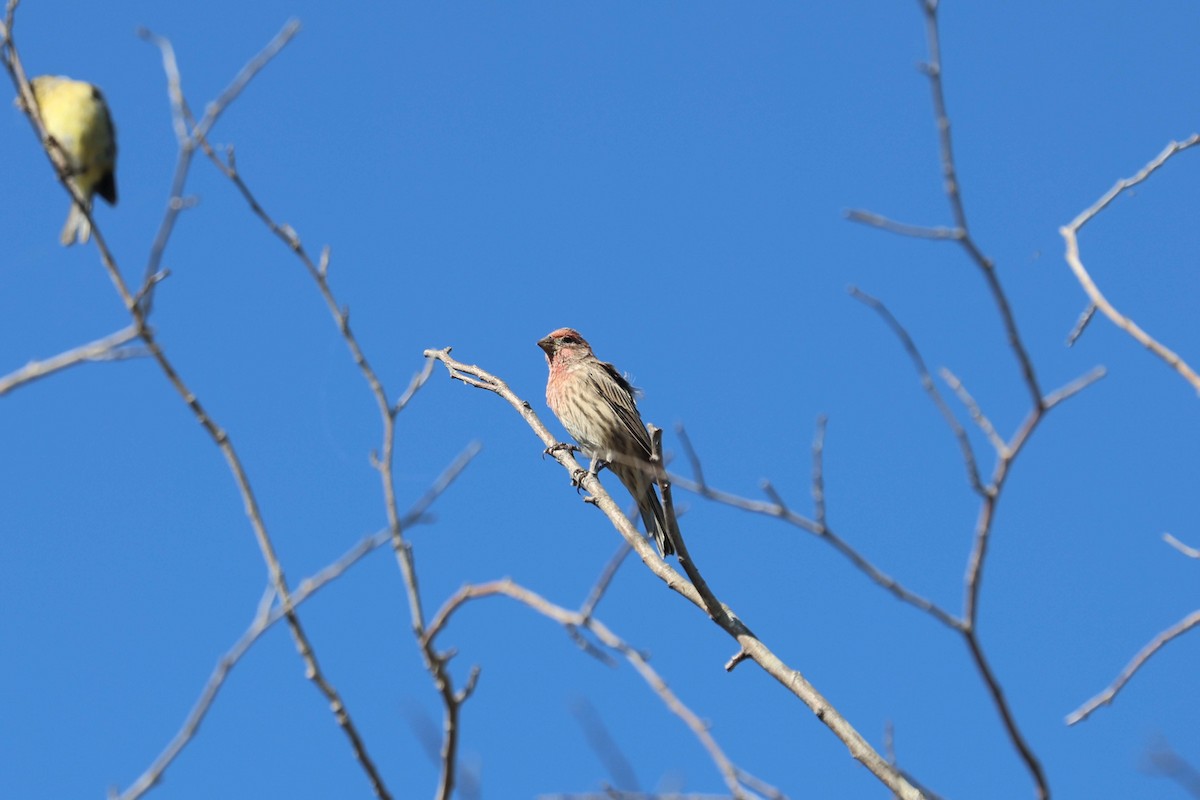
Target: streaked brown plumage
x=595, y=403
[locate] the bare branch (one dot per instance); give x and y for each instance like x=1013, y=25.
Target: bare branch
x=1006, y=452
x=889, y=738
x=1074, y=387
x=1120, y=320
x=961, y=233
x=974, y=576
x=208, y=696
x=9, y=11
x=99, y=350
x=213, y=111
x=383, y=460
x=136, y=304
x=985, y=264
x=191, y=134
x=974, y=410
x=269, y=613
x=819, y=529
x=468, y=782
x=603, y=744
x=606, y=576
x=1162, y=760
x=573, y=620
x=615, y=794
x=1190, y=552
x=1085, y=317
x=1070, y=234
x=771, y=492
x=1156, y=644
x=1006, y=713
x=414, y=386
x=874, y=220
x=818, y=473
x=910, y=347
x=223, y=442
x=693, y=459
x=1172, y=149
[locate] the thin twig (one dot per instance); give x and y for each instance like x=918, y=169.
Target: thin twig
x=133, y=303
x=953, y=190
x=383, y=460
x=99, y=350
x=1162, y=760
x=606, y=576
x=902, y=228
x=961, y=233
x=977, y=415
x=604, y=745
x=1070, y=234
x=610, y=793
x=269, y=614
x=690, y=452
x=973, y=580
x=1125, y=184
x=1190, y=552
x=910, y=347
x=818, y=529
x=1074, y=387
x=818, y=473
x=572, y=620
x=1041, y=403
x=191, y=134
x=1156, y=644
x=1085, y=317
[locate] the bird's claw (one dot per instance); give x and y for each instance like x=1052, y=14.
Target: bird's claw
x=554, y=448
x=577, y=478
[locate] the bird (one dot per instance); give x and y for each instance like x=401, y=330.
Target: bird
x=596, y=404
x=77, y=118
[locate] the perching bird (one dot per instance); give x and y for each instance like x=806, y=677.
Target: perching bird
x=76, y=116
x=595, y=403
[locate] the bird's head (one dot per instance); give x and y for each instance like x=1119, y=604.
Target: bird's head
x=564, y=344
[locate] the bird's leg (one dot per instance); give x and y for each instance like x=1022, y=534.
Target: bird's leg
x=593, y=470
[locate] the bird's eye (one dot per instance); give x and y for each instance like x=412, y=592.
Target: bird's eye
x=570, y=340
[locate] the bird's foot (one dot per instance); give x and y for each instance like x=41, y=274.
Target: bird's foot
x=592, y=471
x=577, y=478
x=554, y=448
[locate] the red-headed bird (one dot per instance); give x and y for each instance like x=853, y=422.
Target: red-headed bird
x=595, y=403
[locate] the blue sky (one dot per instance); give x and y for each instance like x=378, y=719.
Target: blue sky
x=670, y=179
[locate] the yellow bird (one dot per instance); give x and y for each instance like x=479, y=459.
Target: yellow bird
x=76, y=116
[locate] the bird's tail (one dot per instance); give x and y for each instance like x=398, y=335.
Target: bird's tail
x=77, y=229
x=641, y=486
x=655, y=520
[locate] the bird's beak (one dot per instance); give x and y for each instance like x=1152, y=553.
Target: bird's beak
x=546, y=344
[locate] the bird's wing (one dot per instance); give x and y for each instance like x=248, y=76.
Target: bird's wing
x=106, y=187
x=619, y=393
